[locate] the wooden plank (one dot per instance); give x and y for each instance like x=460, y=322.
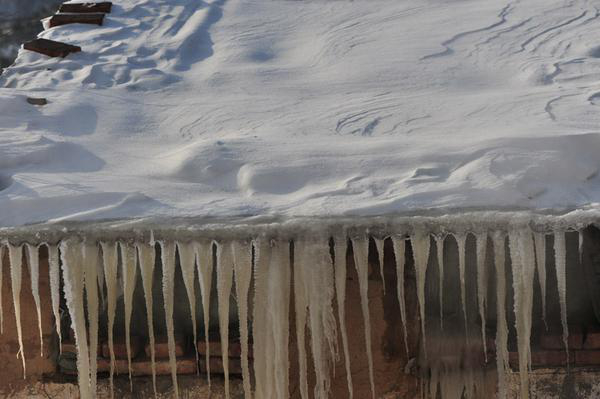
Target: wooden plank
x=63, y=19
x=104, y=7
x=51, y=48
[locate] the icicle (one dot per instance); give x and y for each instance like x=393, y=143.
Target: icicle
x=224, y=281
x=560, y=252
x=461, y=240
x=522, y=254
x=380, y=243
x=146, y=256
x=90, y=263
x=420, y=243
x=278, y=304
x=54, y=272
x=205, y=270
x=540, y=256
x=1, y=283
x=260, y=329
x=187, y=261
x=301, y=306
x=34, y=273
x=242, y=266
x=580, y=245
x=168, y=281
x=439, y=245
x=110, y=259
x=314, y=267
x=15, y=254
x=361, y=261
x=340, y=247
x=128, y=272
x=501, y=324
x=73, y=274
x=101, y=291
x=481, y=241
x=400, y=256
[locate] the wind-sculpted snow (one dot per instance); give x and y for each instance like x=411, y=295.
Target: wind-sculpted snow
x=229, y=108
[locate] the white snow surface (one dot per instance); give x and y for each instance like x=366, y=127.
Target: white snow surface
x=306, y=108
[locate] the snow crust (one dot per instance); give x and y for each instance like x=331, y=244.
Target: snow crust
x=229, y=108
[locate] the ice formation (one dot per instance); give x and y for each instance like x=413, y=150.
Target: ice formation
x=360, y=247
x=54, y=272
x=128, y=271
x=379, y=244
x=33, y=260
x=224, y=283
x=340, y=248
x=110, y=259
x=15, y=254
x=261, y=267
x=242, y=266
x=539, y=240
x=481, y=240
x=439, y=245
x=187, y=261
x=168, y=287
x=146, y=256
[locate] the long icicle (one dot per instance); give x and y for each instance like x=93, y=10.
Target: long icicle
x=54, y=271
x=73, y=274
x=301, y=306
x=421, y=244
x=400, y=256
x=110, y=264
x=560, y=252
x=224, y=282
x=360, y=248
x=379, y=244
x=481, y=242
x=168, y=286
x=501, y=326
x=278, y=303
x=461, y=240
x=146, y=256
x=439, y=246
x=205, y=271
x=242, y=266
x=187, y=261
x=33, y=259
x=128, y=270
x=341, y=247
x=15, y=253
x=1, y=283
x=91, y=263
x=260, y=329
x=540, y=256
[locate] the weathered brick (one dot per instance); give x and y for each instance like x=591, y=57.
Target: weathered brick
x=592, y=339
x=161, y=347
x=543, y=358
x=51, y=48
x=234, y=350
x=104, y=7
x=121, y=349
x=554, y=340
x=143, y=367
x=587, y=358
x=216, y=365
x=68, y=346
x=64, y=19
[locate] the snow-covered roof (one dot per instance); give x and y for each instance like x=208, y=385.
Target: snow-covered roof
x=321, y=108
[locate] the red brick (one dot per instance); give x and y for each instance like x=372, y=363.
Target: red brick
x=592, y=339
x=587, y=358
x=543, y=358
x=143, y=367
x=64, y=19
x=51, y=48
x=216, y=365
x=68, y=346
x=121, y=349
x=161, y=347
x=554, y=340
x=234, y=349
x=104, y=6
